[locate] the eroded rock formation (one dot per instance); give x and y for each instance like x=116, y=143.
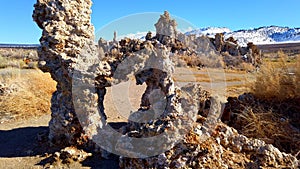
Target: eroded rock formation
x=186, y=138
x=66, y=29
x=224, y=149
x=249, y=54
x=219, y=41
x=166, y=27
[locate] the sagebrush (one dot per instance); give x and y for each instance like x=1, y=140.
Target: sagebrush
x=278, y=80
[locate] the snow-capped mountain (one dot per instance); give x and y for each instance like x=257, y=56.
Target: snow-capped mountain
x=262, y=35
x=138, y=35
x=209, y=31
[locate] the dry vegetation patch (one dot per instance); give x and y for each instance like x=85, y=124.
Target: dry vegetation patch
x=278, y=80
x=19, y=53
x=18, y=58
x=26, y=93
x=271, y=111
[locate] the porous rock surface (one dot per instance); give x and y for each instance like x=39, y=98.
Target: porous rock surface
x=224, y=149
x=250, y=54
x=166, y=26
x=66, y=29
x=70, y=154
x=67, y=43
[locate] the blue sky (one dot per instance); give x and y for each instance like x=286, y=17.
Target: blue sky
x=17, y=25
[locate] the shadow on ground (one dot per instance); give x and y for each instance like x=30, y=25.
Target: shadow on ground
x=32, y=142
x=23, y=142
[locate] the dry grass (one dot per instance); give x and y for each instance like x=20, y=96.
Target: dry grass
x=31, y=97
x=211, y=61
x=276, y=82
x=18, y=58
x=16, y=53
x=248, y=67
x=272, y=112
x=210, y=75
x=236, y=90
x=8, y=62
x=8, y=75
x=269, y=126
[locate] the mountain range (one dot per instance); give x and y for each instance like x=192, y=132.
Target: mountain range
x=262, y=35
x=259, y=36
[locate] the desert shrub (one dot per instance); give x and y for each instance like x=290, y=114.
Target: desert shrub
x=271, y=112
x=31, y=95
x=192, y=61
x=270, y=126
x=9, y=74
x=3, y=62
x=275, y=122
x=6, y=62
x=211, y=61
x=248, y=67
x=19, y=53
x=275, y=81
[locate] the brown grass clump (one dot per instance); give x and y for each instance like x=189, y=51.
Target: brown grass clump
x=278, y=81
x=210, y=61
x=269, y=126
x=191, y=61
x=276, y=123
x=30, y=97
x=271, y=113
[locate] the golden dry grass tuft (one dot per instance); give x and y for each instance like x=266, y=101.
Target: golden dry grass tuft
x=272, y=127
x=32, y=94
x=279, y=80
x=271, y=112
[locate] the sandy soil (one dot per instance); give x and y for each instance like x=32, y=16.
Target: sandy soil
x=21, y=141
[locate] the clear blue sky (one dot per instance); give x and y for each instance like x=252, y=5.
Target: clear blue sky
x=17, y=25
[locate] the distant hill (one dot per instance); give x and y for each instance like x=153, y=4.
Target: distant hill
x=209, y=31
x=23, y=46
x=267, y=35
x=262, y=35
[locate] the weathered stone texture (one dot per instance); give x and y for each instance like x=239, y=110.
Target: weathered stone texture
x=68, y=52
x=66, y=29
x=166, y=27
